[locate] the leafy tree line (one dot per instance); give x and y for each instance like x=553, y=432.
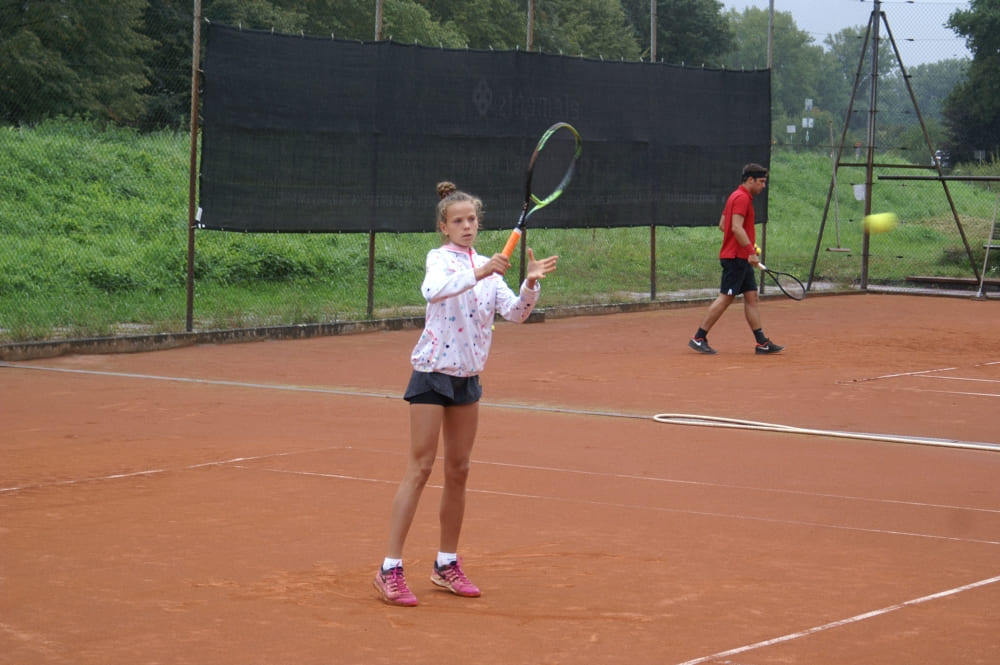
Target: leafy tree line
x=972, y=109
x=128, y=61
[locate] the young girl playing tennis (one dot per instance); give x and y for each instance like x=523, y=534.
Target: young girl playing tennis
x=464, y=291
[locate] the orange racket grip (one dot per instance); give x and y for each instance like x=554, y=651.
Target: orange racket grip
x=515, y=237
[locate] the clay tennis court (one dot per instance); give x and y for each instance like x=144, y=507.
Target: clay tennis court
x=225, y=504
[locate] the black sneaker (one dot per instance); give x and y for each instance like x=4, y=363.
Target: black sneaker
x=700, y=345
x=767, y=346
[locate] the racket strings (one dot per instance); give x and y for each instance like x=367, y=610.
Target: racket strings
x=788, y=284
x=792, y=287
x=553, y=164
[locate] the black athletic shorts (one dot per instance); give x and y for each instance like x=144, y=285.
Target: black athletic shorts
x=437, y=388
x=737, y=277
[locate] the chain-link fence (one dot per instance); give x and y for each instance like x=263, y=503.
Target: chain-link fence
x=889, y=153
x=94, y=228
x=944, y=225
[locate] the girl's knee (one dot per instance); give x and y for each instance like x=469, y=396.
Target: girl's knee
x=457, y=472
x=419, y=471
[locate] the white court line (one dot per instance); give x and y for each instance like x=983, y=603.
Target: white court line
x=930, y=374
x=349, y=392
x=953, y=443
x=153, y=472
x=211, y=382
x=925, y=374
x=511, y=465
x=484, y=462
x=896, y=376
x=630, y=506
x=960, y=378
x=843, y=622
x=953, y=392
x=744, y=488
x=237, y=463
x=738, y=423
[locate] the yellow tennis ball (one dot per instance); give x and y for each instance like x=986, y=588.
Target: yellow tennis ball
x=883, y=222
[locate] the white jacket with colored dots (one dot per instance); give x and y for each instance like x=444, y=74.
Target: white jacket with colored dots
x=458, y=329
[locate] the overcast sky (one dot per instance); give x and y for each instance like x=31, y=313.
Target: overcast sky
x=919, y=20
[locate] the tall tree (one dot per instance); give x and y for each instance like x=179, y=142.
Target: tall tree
x=168, y=25
x=258, y=14
x=72, y=59
x=797, y=61
x=838, y=71
x=972, y=110
x=692, y=32
x=846, y=56
x=404, y=21
x=407, y=21
x=498, y=24
x=591, y=28
x=344, y=19
x=932, y=83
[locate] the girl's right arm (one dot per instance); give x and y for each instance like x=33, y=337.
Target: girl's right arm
x=443, y=279
x=498, y=263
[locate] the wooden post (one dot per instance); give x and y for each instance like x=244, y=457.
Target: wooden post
x=652, y=30
x=530, y=41
x=193, y=170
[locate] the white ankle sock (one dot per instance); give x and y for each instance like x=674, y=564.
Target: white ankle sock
x=446, y=558
x=389, y=564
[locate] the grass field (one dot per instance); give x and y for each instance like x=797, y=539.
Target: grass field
x=94, y=242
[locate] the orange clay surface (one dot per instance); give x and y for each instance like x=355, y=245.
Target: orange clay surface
x=228, y=505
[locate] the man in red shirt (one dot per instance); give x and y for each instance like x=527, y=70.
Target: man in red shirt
x=738, y=257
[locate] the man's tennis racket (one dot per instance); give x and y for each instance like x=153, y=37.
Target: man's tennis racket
x=550, y=168
x=789, y=284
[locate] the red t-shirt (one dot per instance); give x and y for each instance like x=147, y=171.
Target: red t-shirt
x=740, y=202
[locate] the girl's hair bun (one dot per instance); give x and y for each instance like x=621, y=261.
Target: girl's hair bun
x=446, y=188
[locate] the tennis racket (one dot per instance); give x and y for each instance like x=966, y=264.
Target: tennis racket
x=550, y=168
x=789, y=284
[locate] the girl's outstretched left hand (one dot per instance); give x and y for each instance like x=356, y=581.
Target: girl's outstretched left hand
x=538, y=268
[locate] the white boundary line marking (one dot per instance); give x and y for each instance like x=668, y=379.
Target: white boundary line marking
x=953, y=392
x=745, y=488
x=737, y=423
x=843, y=622
x=236, y=461
x=212, y=382
x=630, y=506
x=153, y=472
x=691, y=420
x=929, y=374
x=960, y=378
x=901, y=374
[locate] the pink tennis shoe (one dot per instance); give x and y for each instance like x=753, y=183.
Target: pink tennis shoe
x=453, y=579
x=391, y=584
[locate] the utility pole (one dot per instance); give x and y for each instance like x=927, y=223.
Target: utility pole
x=530, y=41
x=652, y=30
x=770, y=35
x=193, y=166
